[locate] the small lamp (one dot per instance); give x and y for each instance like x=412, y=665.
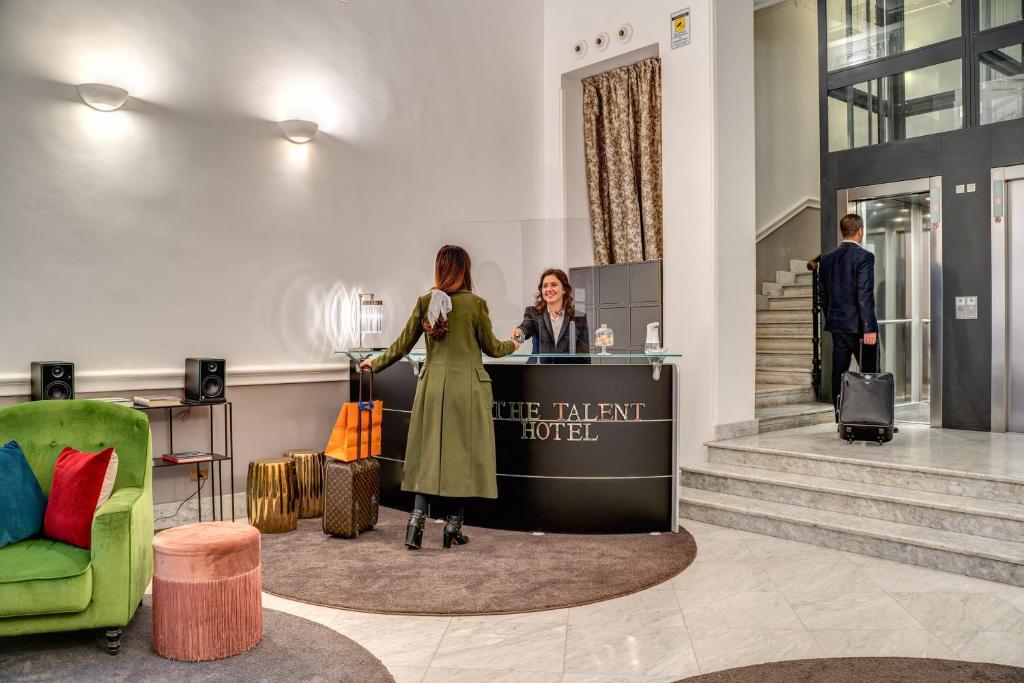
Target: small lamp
x=371, y=317
x=298, y=131
x=102, y=97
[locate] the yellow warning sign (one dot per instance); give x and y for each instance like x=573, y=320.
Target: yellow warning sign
x=681, y=28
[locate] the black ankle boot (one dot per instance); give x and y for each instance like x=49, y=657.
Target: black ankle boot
x=453, y=532
x=414, y=531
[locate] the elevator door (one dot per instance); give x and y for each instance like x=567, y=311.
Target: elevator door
x=1015, y=304
x=899, y=223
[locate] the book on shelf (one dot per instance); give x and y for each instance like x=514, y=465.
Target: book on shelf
x=157, y=401
x=188, y=456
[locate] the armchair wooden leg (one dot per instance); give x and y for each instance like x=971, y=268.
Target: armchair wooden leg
x=113, y=640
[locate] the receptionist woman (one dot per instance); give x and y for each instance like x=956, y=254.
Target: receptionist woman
x=552, y=317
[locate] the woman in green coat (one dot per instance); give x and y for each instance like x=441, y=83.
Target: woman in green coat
x=450, y=449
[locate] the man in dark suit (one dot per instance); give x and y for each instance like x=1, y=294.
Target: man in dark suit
x=847, y=277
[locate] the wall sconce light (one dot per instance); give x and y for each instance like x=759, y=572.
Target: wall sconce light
x=371, y=317
x=102, y=97
x=298, y=131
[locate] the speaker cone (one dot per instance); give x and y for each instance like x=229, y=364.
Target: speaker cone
x=211, y=367
x=57, y=373
x=212, y=387
x=58, y=391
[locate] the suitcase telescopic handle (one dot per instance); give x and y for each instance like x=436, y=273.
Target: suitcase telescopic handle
x=367, y=407
x=361, y=373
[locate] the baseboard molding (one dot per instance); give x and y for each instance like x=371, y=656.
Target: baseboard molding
x=734, y=430
x=88, y=381
x=787, y=216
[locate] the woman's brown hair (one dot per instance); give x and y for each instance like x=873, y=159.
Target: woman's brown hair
x=451, y=274
x=568, y=300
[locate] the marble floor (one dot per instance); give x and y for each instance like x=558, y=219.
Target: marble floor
x=987, y=454
x=746, y=599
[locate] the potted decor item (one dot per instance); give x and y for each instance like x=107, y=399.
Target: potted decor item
x=604, y=338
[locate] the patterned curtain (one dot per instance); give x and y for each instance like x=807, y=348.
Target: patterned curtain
x=622, y=146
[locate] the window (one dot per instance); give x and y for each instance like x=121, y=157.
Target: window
x=864, y=30
x=897, y=107
x=994, y=13
x=1001, y=81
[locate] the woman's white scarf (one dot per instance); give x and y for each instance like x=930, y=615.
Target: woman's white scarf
x=440, y=307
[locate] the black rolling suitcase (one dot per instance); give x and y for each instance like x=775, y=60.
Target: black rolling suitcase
x=867, y=406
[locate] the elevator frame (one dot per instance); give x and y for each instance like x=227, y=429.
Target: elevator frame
x=1000, y=302
x=932, y=186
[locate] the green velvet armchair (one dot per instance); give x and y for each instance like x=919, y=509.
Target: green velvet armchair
x=48, y=586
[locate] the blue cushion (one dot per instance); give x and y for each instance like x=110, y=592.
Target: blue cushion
x=22, y=501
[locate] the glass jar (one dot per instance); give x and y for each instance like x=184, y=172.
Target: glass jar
x=604, y=338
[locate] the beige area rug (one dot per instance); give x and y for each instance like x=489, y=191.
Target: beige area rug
x=866, y=670
x=495, y=573
x=292, y=649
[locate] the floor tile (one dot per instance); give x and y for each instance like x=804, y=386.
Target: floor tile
x=440, y=675
x=723, y=551
x=630, y=650
x=651, y=608
x=854, y=611
x=704, y=531
x=718, y=649
x=750, y=610
x=550, y=616
x=407, y=674
x=396, y=641
x=895, y=577
x=725, y=577
x=502, y=645
x=602, y=678
x=819, y=575
x=316, y=613
x=843, y=643
x=771, y=548
x=962, y=611
x=995, y=648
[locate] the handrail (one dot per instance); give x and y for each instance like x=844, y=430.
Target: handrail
x=815, y=327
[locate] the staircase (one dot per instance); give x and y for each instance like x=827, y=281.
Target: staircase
x=784, y=396
x=936, y=517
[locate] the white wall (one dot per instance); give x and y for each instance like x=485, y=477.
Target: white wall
x=185, y=224
x=699, y=286
x=786, y=108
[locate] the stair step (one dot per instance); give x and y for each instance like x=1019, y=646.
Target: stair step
x=785, y=277
x=991, y=519
x=795, y=290
x=798, y=266
x=772, y=289
x=774, y=357
x=769, y=395
x=867, y=471
x=789, y=303
x=769, y=317
x=801, y=345
x=782, y=376
x=784, y=330
x=793, y=415
x=984, y=558
x=804, y=279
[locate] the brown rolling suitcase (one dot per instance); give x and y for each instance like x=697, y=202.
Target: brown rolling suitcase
x=352, y=489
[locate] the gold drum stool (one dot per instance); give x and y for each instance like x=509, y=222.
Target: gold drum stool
x=272, y=495
x=309, y=470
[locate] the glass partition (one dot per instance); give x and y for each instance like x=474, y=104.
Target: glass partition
x=993, y=13
x=864, y=30
x=897, y=107
x=1001, y=81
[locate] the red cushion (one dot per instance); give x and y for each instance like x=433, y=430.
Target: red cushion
x=77, y=481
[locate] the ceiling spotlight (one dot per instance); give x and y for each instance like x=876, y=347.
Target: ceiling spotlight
x=298, y=131
x=102, y=97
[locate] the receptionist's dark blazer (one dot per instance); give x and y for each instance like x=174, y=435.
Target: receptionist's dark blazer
x=537, y=325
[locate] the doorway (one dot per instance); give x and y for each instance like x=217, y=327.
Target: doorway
x=1008, y=299
x=901, y=226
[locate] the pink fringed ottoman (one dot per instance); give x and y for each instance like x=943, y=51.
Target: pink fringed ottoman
x=206, y=591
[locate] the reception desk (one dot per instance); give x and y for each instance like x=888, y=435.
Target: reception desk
x=580, y=448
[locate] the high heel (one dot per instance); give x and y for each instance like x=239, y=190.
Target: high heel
x=414, y=530
x=453, y=532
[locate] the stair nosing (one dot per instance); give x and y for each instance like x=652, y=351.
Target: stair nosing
x=843, y=488
x=725, y=445
x=892, y=536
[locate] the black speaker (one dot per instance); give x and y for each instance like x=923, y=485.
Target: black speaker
x=53, y=380
x=204, y=380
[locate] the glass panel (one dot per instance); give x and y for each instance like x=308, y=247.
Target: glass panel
x=994, y=13
x=905, y=105
x=864, y=30
x=1002, y=84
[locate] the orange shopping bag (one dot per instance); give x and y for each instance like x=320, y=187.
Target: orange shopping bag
x=356, y=434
